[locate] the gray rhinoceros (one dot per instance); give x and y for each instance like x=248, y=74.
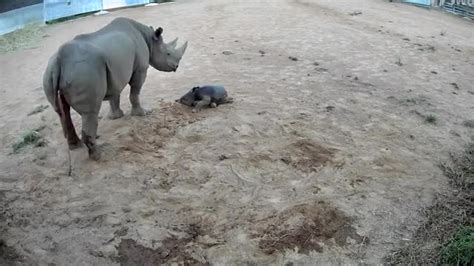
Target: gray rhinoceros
x=95, y=67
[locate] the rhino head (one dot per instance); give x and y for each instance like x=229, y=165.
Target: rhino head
x=165, y=56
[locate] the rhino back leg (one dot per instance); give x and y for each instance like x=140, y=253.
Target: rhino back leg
x=206, y=100
x=86, y=99
x=89, y=134
x=87, y=104
x=136, y=83
x=115, y=111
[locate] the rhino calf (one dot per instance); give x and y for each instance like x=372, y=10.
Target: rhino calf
x=199, y=97
x=97, y=66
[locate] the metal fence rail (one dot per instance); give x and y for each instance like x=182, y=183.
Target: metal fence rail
x=464, y=8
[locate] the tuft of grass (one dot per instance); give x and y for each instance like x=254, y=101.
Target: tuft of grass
x=431, y=119
x=446, y=237
x=460, y=250
x=468, y=123
x=30, y=137
x=25, y=38
x=399, y=62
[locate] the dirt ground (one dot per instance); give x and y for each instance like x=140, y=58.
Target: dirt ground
x=327, y=155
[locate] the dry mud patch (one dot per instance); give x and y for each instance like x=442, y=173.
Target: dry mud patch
x=306, y=228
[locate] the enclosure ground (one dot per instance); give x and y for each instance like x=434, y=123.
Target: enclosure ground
x=344, y=111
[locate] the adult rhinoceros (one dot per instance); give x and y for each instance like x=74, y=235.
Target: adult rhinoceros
x=95, y=67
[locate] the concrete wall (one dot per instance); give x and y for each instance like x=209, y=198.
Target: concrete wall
x=18, y=18
x=15, y=14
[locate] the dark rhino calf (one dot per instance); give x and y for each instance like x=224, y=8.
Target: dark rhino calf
x=210, y=95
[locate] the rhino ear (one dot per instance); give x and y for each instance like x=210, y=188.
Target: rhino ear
x=195, y=88
x=158, y=33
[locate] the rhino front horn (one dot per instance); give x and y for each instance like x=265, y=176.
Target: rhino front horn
x=182, y=49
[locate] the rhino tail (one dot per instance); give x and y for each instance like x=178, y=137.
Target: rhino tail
x=56, y=98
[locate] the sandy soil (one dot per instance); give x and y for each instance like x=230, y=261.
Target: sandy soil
x=323, y=158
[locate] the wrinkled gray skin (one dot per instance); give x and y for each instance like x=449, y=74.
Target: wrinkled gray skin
x=95, y=67
x=210, y=95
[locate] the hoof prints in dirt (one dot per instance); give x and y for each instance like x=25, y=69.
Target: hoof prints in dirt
x=172, y=251
x=307, y=156
x=151, y=135
x=306, y=227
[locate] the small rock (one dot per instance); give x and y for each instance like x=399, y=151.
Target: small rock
x=147, y=212
x=329, y=108
x=164, y=132
x=455, y=85
x=355, y=13
x=434, y=72
x=454, y=133
x=207, y=240
x=321, y=69
x=227, y=53
x=223, y=157
x=292, y=58
x=406, y=39
x=121, y=232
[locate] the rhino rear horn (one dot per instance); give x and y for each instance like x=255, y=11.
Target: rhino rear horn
x=173, y=43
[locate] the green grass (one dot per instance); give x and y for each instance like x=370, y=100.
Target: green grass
x=447, y=236
x=30, y=137
x=25, y=38
x=431, y=119
x=460, y=250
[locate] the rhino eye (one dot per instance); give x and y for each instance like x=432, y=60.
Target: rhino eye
x=169, y=53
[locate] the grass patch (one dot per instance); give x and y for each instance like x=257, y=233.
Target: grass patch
x=431, y=119
x=25, y=38
x=447, y=235
x=469, y=123
x=31, y=137
x=460, y=250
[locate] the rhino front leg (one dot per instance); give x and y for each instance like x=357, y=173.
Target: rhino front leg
x=136, y=84
x=115, y=111
x=89, y=134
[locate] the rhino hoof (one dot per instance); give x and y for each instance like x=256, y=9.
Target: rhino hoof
x=213, y=105
x=74, y=146
x=140, y=112
x=94, y=155
x=115, y=115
